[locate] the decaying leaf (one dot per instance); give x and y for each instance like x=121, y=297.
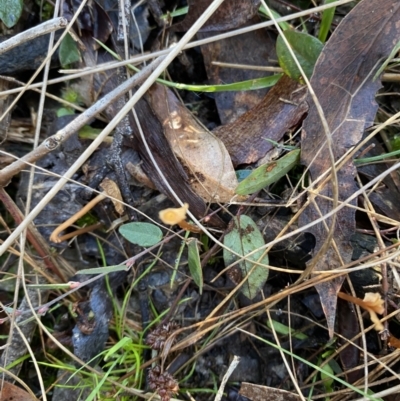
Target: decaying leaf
x=202, y=155
x=174, y=176
x=343, y=83
x=232, y=14
x=348, y=328
x=10, y=392
x=244, y=238
x=235, y=50
x=263, y=393
x=111, y=188
x=281, y=109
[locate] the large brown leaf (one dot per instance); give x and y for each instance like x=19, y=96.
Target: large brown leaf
x=173, y=171
x=343, y=83
x=232, y=14
x=281, y=109
x=252, y=48
x=203, y=156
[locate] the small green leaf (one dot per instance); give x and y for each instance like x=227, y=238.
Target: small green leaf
x=285, y=330
x=106, y=269
x=306, y=48
x=326, y=374
x=10, y=11
x=194, y=263
x=269, y=173
x=284, y=25
x=143, y=234
x=65, y=111
x=244, y=238
x=69, y=52
x=88, y=132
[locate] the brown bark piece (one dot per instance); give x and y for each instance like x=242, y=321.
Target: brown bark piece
x=343, y=83
x=281, y=109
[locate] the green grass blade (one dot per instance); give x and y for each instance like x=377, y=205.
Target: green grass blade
x=252, y=84
x=326, y=21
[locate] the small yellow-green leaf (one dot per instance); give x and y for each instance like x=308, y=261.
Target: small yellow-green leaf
x=143, y=234
x=285, y=330
x=305, y=47
x=194, y=263
x=268, y=173
x=326, y=373
x=245, y=238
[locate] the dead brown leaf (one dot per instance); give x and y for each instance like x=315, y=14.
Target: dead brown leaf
x=160, y=149
x=203, y=156
x=231, y=15
x=281, y=109
x=263, y=393
x=343, y=83
x=252, y=48
x=10, y=392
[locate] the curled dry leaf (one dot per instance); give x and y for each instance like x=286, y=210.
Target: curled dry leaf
x=160, y=163
x=111, y=188
x=202, y=155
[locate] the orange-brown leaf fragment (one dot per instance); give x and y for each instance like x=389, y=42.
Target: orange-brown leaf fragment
x=111, y=188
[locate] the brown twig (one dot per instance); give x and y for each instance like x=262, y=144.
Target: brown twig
x=33, y=236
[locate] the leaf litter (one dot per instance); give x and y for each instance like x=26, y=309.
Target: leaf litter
x=198, y=167
x=344, y=86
